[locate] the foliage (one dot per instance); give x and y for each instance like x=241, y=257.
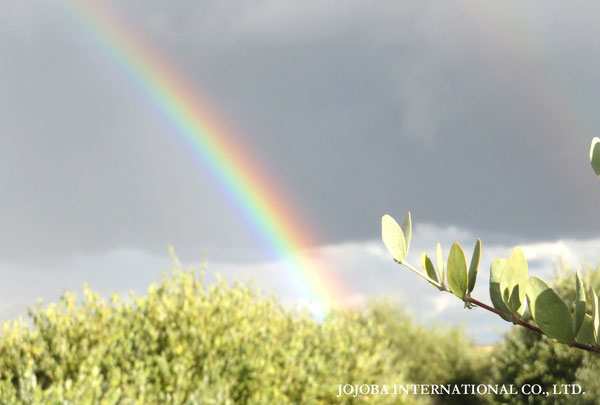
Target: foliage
x=431, y=355
x=526, y=357
x=187, y=343
x=511, y=288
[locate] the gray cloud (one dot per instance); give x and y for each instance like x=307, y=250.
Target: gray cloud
x=478, y=117
x=364, y=269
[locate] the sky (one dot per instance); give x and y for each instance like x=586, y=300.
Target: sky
x=476, y=117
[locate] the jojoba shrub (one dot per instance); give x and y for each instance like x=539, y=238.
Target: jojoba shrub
x=188, y=343
x=526, y=357
x=526, y=301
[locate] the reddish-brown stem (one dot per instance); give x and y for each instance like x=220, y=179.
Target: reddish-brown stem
x=503, y=315
x=524, y=324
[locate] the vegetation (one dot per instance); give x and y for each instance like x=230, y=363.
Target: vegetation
x=512, y=291
x=186, y=343
x=527, y=357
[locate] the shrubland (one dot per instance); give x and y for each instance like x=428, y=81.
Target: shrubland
x=186, y=342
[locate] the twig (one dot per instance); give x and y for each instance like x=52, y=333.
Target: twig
x=529, y=326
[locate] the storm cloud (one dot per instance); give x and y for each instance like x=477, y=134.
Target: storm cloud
x=467, y=114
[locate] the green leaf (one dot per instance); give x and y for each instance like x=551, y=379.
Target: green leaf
x=535, y=286
x=514, y=282
x=496, y=269
x=457, y=271
x=595, y=316
x=586, y=332
x=549, y=311
x=595, y=155
x=440, y=262
x=393, y=238
x=474, y=266
x=407, y=230
x=579, y=303
x=428, y=267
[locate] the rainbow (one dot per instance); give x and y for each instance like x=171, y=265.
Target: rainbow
x=255, y=195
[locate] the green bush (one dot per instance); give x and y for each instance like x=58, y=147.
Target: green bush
x=187, y=343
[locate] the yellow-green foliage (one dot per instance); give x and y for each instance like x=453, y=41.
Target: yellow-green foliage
x=187, y=343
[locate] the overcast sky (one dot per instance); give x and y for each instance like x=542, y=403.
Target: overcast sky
x=477, y=117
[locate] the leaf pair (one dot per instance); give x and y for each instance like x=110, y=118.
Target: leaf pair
x=396, y=238
x=550, y=312
x=508, y=283
x=590, y=328
x=460, y=280
x=397, y=241
x=554, y=318
x=427, y=265
x=587, y=328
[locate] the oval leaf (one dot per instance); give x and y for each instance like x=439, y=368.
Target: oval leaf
x=579, y=303
x=407, y=231
x=514, y=282
x=535, y=286
x=586, y=332
x=428, y=267
x=474, y=266
x=440, y=262
x=549, y=311
x=393, y=238
x=496, y=269
x=595, y=155
x=457, y=271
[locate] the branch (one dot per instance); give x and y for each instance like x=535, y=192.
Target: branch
x=529, y=326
